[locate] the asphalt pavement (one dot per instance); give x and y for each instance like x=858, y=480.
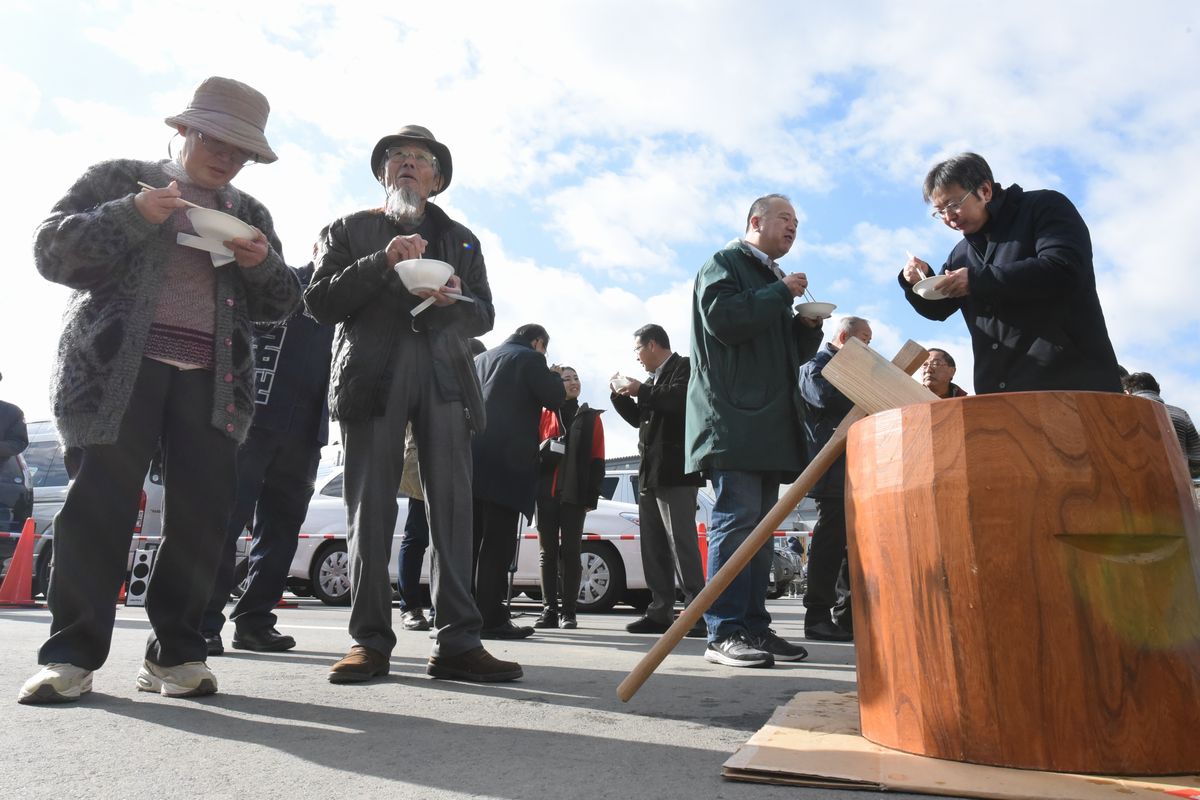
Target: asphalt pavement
x=278, y=728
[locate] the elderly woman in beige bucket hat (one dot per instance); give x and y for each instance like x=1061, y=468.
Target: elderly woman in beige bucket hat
x=155, y=352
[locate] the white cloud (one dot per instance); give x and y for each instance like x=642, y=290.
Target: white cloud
x=642, y=144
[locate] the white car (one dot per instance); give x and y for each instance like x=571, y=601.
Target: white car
x=611, y=552
x=611, y=555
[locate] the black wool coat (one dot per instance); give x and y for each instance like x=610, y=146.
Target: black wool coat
x=517, y=384
x=659, y=413
x=354, y=288
x=1032, y=310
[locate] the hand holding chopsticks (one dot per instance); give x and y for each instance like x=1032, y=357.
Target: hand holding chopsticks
x=915, y=269
x=156, y=205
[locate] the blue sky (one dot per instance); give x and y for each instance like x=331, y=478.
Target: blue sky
x=603, y=150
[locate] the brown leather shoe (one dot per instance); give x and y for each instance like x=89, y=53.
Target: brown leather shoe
x=360, y=664
x=474, y=665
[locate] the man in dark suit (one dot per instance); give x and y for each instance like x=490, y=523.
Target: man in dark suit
x=517, y=384
x=276, y=467
x=666, y=496
x=827, y=617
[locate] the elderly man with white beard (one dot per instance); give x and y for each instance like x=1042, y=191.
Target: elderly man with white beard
x=391, y=368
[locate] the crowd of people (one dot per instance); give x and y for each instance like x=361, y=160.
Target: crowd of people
x=235, y=369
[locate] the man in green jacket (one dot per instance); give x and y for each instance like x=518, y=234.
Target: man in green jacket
x=744, y=413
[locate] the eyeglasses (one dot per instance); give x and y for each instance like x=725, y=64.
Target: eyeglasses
x=225, y=150
x=936, y=363
x=394, y=153
x=950, y=208
x=639, y=348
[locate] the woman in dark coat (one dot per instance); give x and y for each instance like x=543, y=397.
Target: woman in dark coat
x=568, y=488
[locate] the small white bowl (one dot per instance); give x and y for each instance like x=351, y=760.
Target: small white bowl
x=816, y=310
x=423, y=273
x=213, y=224
x=618, y=382
x=930, y=288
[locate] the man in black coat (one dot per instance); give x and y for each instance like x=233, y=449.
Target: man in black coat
x=391, y=368
x=666, y=496
x=517, y=384
x=276, y=467
x=1023, y=279
x=824, y=408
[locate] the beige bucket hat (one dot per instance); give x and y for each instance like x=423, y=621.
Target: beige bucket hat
x=232, y=112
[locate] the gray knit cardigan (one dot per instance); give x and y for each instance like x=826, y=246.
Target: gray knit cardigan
x=97, y=243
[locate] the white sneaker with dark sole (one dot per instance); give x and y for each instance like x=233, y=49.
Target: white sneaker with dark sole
x=56, y=683
x=736, y=651
x=189, y=679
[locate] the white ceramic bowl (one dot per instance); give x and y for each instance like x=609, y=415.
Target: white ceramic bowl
x=424, y=273
x=618, y=382
x=929, y=288
x=817, y=310
x=213, y=224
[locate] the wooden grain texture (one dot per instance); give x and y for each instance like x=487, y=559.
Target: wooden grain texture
x=910, y=356
x=1024, y=573
x=870, y=381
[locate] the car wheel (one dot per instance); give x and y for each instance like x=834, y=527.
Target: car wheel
x=603, y=580
x=331, y=574
x=777, y=590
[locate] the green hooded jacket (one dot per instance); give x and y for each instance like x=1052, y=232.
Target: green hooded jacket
x=744, y=410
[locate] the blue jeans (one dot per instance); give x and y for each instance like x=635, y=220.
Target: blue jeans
x=742, y=500
x=412, y=555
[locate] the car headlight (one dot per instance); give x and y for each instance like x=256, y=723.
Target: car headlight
x=630, y=516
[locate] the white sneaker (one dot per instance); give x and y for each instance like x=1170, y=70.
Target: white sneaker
x=189, y=679
x=56, y=683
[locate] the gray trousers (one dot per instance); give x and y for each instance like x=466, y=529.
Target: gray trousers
x=374, y=452
x=669, y=548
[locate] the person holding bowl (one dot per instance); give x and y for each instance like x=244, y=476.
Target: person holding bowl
x=156, y=346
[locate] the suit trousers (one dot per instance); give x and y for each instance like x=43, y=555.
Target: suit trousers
x=374, y=450
x=825, y=558
x=275, y=472
x=496, y=530
x=560, y=536
x=670, y=550
x=93, y=531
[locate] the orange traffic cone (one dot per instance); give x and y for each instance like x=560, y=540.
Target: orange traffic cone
x=702, y=543
x=17, y=589
x=121, y=595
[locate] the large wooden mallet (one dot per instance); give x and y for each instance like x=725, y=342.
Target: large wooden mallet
x=883, y=386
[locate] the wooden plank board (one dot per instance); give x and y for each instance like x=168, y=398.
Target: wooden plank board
x=814, y=741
